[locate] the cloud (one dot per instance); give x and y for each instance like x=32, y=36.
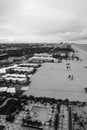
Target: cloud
x=37, y=18
x=74, y=36
x=43, y=20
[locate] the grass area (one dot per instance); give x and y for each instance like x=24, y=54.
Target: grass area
x=52, y=80
x=40, y=113
x=9, y=107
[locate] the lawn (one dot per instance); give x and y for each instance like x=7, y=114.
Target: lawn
x=8, y=107
x=40, y=113
x=51, y=80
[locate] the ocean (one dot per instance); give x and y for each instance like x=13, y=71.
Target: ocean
x=81, y=46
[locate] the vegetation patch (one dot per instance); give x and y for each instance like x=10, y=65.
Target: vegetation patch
x=8, y=107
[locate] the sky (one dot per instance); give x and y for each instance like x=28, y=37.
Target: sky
x=43, y=21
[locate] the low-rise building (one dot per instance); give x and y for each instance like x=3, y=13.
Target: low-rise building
x=21, y=70
x=29, y=65
x=42, y=59
x=42, y=55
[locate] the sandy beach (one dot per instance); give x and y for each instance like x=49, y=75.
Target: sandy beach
x=51, y=80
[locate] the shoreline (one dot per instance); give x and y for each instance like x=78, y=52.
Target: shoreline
x=80, y=50
x=81, y=53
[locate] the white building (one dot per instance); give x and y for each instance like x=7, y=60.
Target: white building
x=14, y=78
x=11, y=90
x=24, y=69
x=42, y=59
x=3, y=89
x=29, y=65
x=42, y=55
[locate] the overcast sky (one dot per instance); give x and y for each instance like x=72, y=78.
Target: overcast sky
x=43, y=20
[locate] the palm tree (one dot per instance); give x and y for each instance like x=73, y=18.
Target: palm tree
x=10, y=118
